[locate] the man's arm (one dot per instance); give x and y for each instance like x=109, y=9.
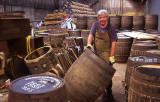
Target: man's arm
x=90, y=39
x=113, y=47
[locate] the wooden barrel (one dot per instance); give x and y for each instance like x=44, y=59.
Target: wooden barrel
x=126, y=22
x=145, y=84
x=137, y=61
x=56, y=40
x=151, y=22
x=123, y=47
x=74, y=42
x=2, y=63
x=138, y=22
x=90, y=21
x=37, y=88
x=84, y=34
x=40, y=60
x=145, y=41
x=16, y=67
x=82, y=22
x=115, y=21
x=154, y=53
x=74, y=33
x=95, y=76
x=158, y=42
x=139, y=49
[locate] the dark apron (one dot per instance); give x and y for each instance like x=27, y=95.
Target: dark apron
x=103, y=45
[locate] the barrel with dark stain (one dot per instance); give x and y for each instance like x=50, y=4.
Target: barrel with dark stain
x=40, y=60
x=90, y=21
x=37, y=88
x=82, y=22
x=88, y=77
x=137, y=61
x=123, y=47
x=126, y=22
x=115, y=21
x=151, y=22
x=138, y=22
x=145, y=84
x=139, y=49
x=74, y=33
x=84, y=34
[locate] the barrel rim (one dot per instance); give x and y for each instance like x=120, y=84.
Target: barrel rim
x=14, y=81
x=38, y=58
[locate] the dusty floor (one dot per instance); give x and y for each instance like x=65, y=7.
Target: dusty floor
x=117, y=87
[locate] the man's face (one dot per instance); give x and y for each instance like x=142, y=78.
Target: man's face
x=103, y=19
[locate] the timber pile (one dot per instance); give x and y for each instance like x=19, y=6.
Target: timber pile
x=12, y=14
x=79, y=9
x=52, y=22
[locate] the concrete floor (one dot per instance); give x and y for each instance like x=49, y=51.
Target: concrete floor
x=117, y=88
x=118, y=81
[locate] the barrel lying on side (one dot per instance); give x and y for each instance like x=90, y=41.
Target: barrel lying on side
x=37, y=88
x=138, y=49
x=40, y=60
x=145, y=84
x=87, y=78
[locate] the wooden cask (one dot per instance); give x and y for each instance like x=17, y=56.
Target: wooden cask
x=37, y=88
x=137, y=61
x=40, y=60
x=88, y=77
x=145, y=84
x=123, y=47
x=127, y=22
x=138, y=22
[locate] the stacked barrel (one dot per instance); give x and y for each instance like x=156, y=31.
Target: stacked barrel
x=143, y=52
x=123, y=47
x=149, y=23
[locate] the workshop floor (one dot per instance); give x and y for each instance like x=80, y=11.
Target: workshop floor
x=118, y=88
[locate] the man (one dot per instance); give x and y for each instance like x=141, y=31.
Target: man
x=68, y=22
x=104, y=37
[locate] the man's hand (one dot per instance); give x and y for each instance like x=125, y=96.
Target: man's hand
x=89, y=46
x=112, y=60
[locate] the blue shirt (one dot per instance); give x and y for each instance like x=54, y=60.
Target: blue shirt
x=96, y=27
